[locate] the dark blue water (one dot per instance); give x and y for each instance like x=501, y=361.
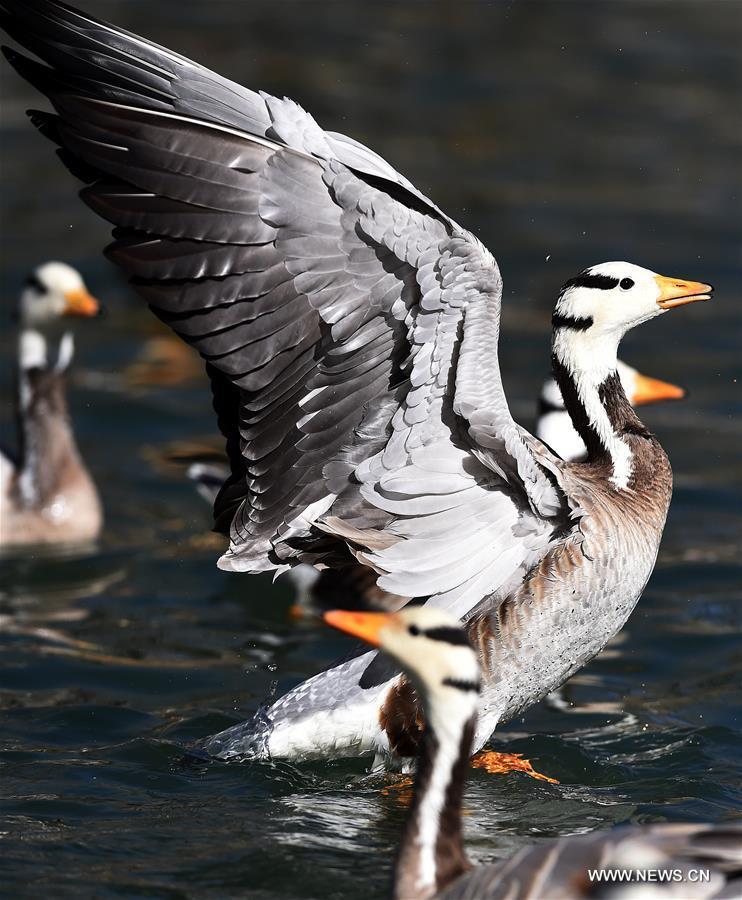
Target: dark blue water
x=563, y=134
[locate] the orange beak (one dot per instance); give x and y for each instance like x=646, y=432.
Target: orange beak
x=676, y=292
x=80, y=303
x=365, y=625
x=652, y=390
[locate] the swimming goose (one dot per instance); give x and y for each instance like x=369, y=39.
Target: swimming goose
x=350, y=332
x=47, y=496
x=435, y=655
x=554, y=425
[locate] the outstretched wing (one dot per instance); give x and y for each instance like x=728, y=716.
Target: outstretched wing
x=349, y=327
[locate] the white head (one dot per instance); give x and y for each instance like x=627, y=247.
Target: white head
x=435, y=653
x=595, y=310
x=592, y=314
x=613, y=297
x=52, y=291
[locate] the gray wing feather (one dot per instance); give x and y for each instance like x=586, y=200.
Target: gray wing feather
x=350, y=328
x=480, y=399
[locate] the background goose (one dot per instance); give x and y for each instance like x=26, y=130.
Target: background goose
x=554, y=425
x=350, y=333
x=47, y=495
x=435, y=654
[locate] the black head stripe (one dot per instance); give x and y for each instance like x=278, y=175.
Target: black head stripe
x=462, y=684
x=576, y=323
x=588, y=280
x=33, y=281
x=448, y=634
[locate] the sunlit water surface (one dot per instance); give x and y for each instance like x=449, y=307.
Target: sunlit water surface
x=563, y=134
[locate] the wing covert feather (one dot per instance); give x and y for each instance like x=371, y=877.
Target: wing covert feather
x=349, y=327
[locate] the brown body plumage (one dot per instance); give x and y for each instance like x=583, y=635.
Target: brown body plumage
x=63, y=504
x=46, y=493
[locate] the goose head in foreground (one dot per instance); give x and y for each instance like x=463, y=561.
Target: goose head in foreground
x=554, y=425
x=350, y=330
x=46, y=493
x=436, y=655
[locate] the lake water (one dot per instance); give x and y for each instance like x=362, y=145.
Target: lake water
x=563, y=134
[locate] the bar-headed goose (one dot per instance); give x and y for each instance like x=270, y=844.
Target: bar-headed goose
x=435, y=655
x=554, y=425
x=350, y=333
x=46, y=494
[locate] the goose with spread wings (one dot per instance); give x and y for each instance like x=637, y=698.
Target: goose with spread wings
x=350, y=331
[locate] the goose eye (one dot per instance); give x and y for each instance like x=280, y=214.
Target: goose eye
x=626, y=283
x=414, y=630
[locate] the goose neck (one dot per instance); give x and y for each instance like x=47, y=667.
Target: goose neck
x=32, y=349
x=585, y=368
x=432, y=851
x=47, y=447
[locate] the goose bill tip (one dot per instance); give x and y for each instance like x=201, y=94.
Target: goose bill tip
x=81, y=303
x=679, y=292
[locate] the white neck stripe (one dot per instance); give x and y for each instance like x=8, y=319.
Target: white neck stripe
x=590, y=359
x=32, y=350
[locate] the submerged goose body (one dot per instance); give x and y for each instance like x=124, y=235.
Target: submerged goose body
x=435, y=655
x=350, y=332
x=47, y=495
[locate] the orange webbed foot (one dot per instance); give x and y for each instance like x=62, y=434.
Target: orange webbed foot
x=502, y=763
